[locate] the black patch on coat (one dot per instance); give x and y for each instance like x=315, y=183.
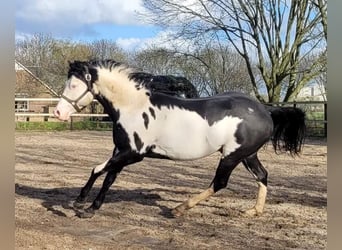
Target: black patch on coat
x=150, y=154
x=114, y=114
x=138, y=143
x=213, y=108
x=120, y=138
x=152, y=113
x=146, y=120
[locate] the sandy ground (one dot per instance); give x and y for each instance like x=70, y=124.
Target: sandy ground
x=51, y=167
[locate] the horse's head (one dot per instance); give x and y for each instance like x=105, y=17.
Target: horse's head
x=79, y=90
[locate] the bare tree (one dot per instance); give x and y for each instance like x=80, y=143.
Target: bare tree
x=322, y=9
x=275, y=35
x=35, y=52
x=211, y=69
x=156, y=60
x=321, y=81
x=48, y=58
x=63, y=53
x=216, y=69
x=106, y=49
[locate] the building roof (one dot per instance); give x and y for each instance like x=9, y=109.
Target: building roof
x=20, y=67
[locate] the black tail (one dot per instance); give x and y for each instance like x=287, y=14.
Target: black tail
x=289, y=128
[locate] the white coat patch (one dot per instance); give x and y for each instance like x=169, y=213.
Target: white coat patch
x=182, y=134
x=98, y=168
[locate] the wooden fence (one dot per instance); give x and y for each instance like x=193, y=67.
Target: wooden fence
x=316, y=114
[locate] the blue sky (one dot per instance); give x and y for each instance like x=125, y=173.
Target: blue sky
x=82, y=20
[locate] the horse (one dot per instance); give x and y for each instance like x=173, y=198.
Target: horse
x=156, y=125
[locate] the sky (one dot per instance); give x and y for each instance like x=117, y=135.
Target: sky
x=81, y=20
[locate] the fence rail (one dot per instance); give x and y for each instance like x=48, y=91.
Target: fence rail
x=52, y=115
x=316, y=114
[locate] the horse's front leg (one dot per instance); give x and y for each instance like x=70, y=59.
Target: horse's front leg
x=96, y=172
x=108, y=181
x=113, y=166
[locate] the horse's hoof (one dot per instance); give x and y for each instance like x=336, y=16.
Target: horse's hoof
x=78, y=205
x=85, y=214
x=68, y=205
x=176, y=212
x=252, y=212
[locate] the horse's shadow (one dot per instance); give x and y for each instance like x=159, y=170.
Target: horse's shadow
x=57, y=200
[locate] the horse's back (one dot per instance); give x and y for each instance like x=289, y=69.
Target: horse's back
x=215, y=108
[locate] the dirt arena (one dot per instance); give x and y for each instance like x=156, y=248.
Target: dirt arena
x=51, y=168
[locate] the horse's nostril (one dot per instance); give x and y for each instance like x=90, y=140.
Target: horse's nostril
x=57, y=112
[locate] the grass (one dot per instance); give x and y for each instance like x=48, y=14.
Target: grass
x=317, y=116
x=59, y=126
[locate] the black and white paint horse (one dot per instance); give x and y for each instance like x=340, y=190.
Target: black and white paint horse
x=156, y=125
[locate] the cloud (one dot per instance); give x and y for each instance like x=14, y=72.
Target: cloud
x=163, y=39
x=160, y=40
x=82, y=20
x=74, y=16
x=166, y=39
x=130, y=43
x=79, y=11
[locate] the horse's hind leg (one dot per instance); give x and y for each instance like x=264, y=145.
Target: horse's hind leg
x=255, y=167
x=225, y=168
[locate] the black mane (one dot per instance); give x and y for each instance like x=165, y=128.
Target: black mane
x=167, y=84
x=80, y=68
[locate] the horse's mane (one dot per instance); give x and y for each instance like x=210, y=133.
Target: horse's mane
x=78, y=68
x=168, y=84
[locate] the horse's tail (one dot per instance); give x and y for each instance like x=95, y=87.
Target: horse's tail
x=289, y=128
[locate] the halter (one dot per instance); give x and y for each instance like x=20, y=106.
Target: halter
x=89, y=89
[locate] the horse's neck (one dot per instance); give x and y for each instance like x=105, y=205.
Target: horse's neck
x=119, y=92
x=108, y=108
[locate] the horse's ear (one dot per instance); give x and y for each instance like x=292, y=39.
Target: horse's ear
x=93, y=72
x=71, y=64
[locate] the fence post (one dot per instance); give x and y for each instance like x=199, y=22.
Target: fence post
x=45, y=110
x=71, y=123
x=325, y=119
